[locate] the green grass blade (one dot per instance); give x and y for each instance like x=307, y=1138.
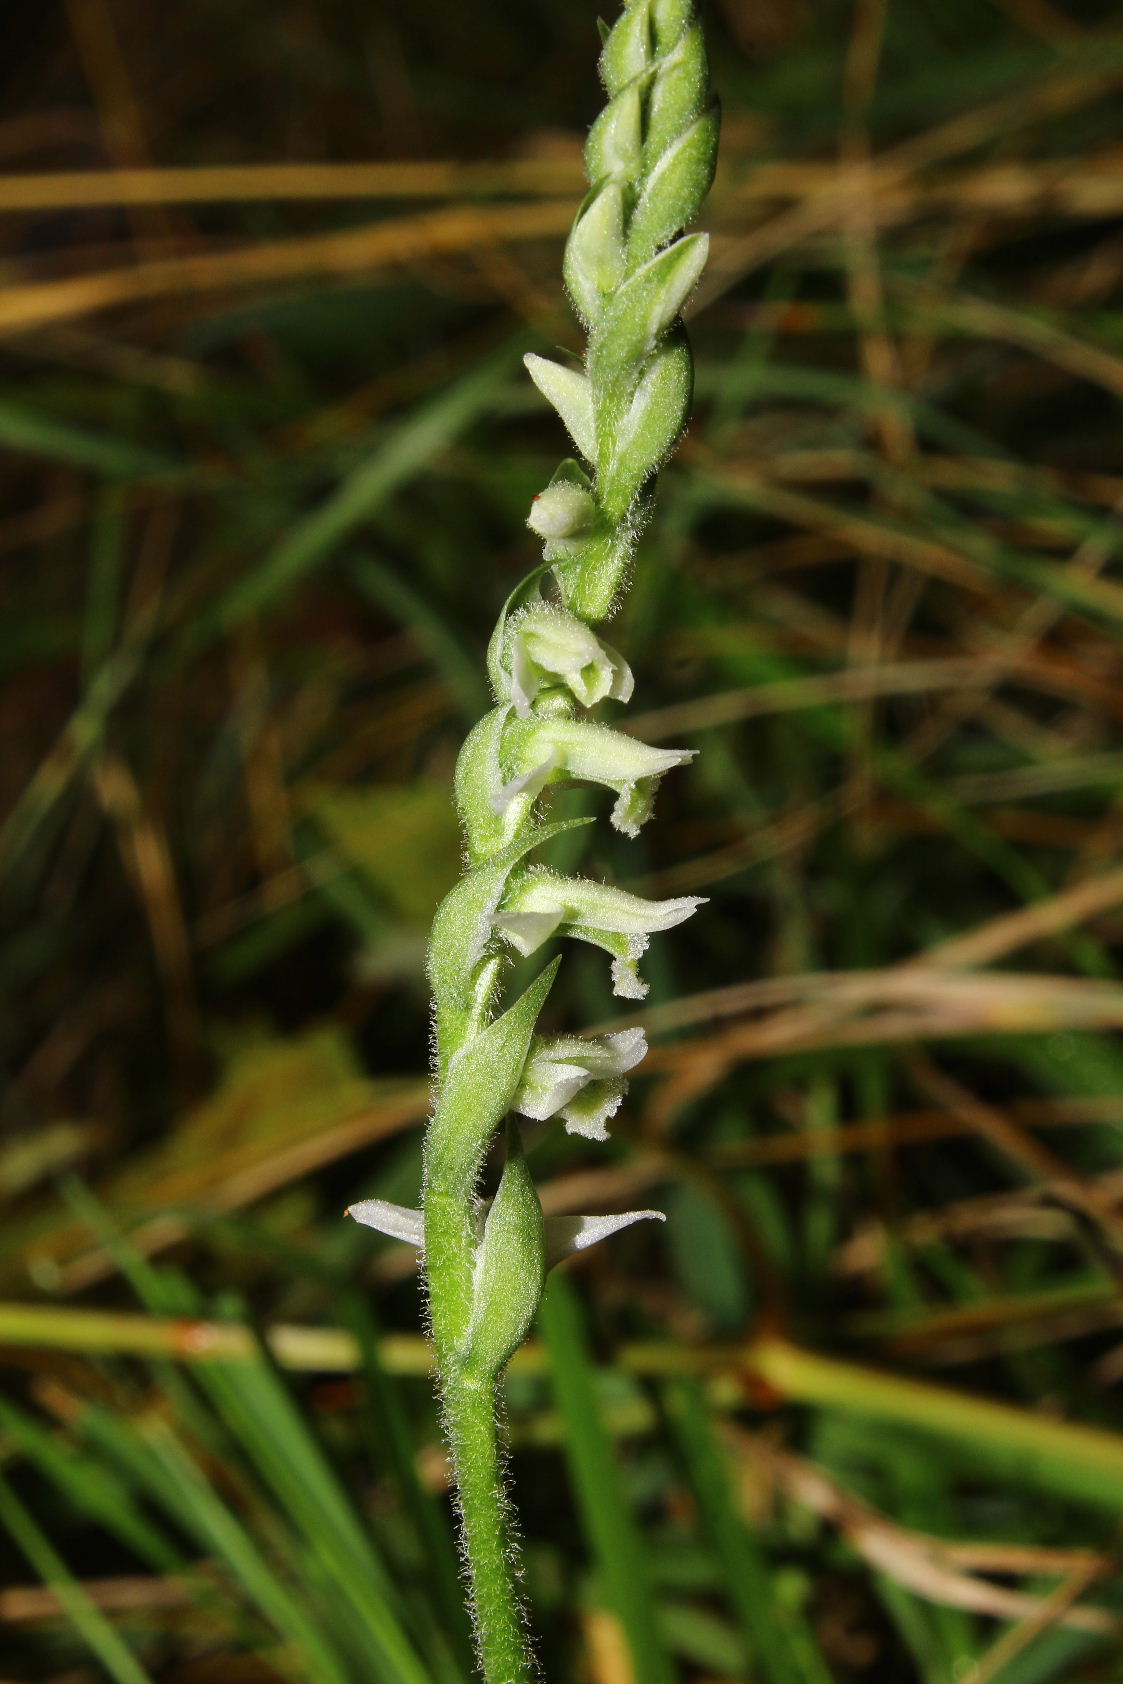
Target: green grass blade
x=266, y=1424
x=59, y=441
x=598, y=1485
x=162, y=1466
x=88, y=1620
x=776, y=1636
x=408, y=449
x=94, y=1489
x=394, y=1443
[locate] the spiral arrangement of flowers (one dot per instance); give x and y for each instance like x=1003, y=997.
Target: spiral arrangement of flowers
x=629, y=268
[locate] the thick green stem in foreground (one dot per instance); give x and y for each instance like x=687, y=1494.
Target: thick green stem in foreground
x=470, y=1415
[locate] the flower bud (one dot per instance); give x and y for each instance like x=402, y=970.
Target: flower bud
x=594, y=253
x=627, y=51
x=615, y=143
x=563, y=510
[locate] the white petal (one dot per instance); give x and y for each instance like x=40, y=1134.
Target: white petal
x=399, y=1222
x=527, y=783
x=590, y=1111
x=600, y=1055
x=627, y=984
x=633, y=807
x=524, y=680
x=623, y=679
x=629, y=1048
x=567, y=1234
x=558, y=640
x=547, y=1086
x=602, y=755
x=528, y=930
x=600, y=905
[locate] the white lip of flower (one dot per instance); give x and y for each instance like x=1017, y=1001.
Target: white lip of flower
x=582, y=1081
x=543, y=903
x=597, y=754
x=564, y=1234
x=550, y=645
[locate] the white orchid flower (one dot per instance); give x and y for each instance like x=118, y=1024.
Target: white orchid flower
x=543, y=903
x=549, y=646
x=582, y=1081
x=580, y=749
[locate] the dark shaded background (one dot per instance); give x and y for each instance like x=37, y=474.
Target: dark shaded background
x=269, y=452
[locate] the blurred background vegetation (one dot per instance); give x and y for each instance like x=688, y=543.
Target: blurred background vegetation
x=847, y=1418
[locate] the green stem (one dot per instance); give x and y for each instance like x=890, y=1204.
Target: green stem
x=469, y=1405
x=449, y=1248
x=471, y=1421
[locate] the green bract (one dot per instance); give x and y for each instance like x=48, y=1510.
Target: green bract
x=510, y=1268
x=630, y=268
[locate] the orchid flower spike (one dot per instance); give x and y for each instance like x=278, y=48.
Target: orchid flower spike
x=630, y=267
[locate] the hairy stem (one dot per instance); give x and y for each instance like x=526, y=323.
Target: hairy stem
x=471, y=1421
x=469, y=1394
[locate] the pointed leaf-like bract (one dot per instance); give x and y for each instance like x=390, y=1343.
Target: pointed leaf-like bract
x=649, y=428
x=572, y=397
x=480, y=1078
x=510, y=1269
x=679, y=93
x=674, y=189
x=644, y=306
x=463, y=927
